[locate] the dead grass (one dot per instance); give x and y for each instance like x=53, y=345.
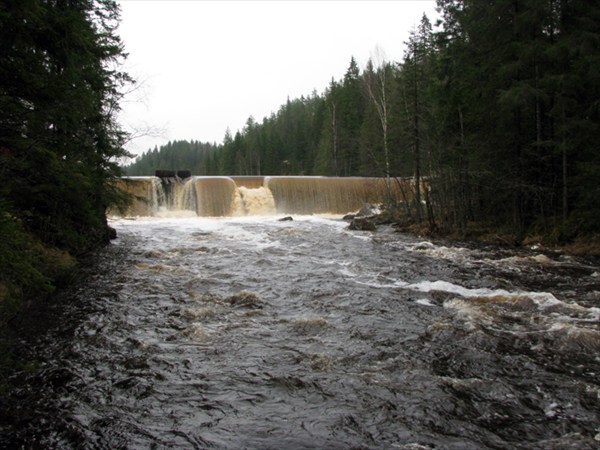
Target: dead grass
x=584, y=246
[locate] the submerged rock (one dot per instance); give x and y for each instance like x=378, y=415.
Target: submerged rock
x=245, y=299
x=368, y=210
x=310, y=325
x=286, y=219
x=362, y=224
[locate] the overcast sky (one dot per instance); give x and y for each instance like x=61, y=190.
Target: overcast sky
x=205, y=66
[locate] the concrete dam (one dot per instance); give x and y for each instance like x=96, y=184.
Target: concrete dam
x=215, y=196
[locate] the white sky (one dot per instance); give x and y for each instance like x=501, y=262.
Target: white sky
x=203, y=66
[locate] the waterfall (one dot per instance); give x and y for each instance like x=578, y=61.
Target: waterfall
x=185, y=198
x=215, y=196
x=318, y=195
x=257, y=202
x=240, y=196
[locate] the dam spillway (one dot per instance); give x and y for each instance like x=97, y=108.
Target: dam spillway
x=217, y=196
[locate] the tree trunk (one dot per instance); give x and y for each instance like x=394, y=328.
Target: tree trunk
x=334, y=137
x=417, y=138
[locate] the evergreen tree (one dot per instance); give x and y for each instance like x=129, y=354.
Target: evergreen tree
x=59, y=92
x=416, y=106
x=351, y=114
x=198, y=157
x=510, y=82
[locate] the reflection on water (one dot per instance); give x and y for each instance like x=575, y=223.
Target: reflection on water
x=253, y=333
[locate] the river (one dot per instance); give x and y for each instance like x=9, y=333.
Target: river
x=250, y=332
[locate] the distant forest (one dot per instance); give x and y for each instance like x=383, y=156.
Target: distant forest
x=200, y=158
x=497, y=109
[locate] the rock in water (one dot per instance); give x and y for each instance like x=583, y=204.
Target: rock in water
x=368, y=210
x=245, y=299
x=362, y=224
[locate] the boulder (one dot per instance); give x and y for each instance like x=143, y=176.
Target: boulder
x=362, y=224
x=286, y=219
x=245, y=299
x=111, y=232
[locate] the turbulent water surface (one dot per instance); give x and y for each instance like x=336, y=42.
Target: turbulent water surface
x=256, y=333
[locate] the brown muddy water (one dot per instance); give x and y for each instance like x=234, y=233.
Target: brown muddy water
x=248, y=332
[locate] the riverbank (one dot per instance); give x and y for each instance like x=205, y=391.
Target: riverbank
x=493, y=234
x=31, y=269
x=31, y=272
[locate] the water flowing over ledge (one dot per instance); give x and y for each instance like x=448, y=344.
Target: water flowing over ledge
x=248, y=196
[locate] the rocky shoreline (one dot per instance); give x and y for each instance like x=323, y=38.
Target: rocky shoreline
x=370, y=216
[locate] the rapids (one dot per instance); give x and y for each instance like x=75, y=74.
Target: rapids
x=248, y=332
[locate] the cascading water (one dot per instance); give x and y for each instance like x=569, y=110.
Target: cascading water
x=216, y=196
x=256, y=201
x=321, y=195
x=235, y=196
x=153, y=196
x=148, y=195
x=185, y=198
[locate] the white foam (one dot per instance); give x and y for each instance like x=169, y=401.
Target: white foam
x=441, y=252
x=424, y=302
x=542, y=299
x=163, y=212
x=445, y=286
x=258, y=201
x=538, y=259
x=594, y=314
x=422, y=246
x=347, y=273
x=395, y=284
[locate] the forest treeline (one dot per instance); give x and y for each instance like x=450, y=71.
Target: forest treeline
x=60, y=85
x=201, y=158
x=494, y=112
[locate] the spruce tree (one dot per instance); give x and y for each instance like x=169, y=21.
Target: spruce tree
x=59, y=92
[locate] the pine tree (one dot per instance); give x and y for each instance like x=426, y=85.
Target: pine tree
x=415, y=83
